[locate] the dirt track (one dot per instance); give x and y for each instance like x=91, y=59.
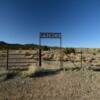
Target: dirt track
x=62, y=86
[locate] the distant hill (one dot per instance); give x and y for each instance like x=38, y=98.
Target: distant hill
x=5, y=45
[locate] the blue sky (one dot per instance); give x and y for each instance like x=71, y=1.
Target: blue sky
x=78, y=20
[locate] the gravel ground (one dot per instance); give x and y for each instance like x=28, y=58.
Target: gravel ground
x=69, y=85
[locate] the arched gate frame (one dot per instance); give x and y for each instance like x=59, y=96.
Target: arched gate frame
x=51, y=35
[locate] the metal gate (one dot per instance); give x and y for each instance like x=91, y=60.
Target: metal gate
x=51, y=35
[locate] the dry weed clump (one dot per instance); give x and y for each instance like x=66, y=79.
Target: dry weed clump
x=3, y=74
x=32, y=69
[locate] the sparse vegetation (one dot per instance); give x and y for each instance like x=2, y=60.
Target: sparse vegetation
x=78, y=82
x=94, y=53
x=3, y=74
x=46, y=48
x=32, y=69
x=27, y=54
x=69, y=50
x=77, y=85
x=98, y=51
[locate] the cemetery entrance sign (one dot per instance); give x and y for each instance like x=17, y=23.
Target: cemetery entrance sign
x=51, y=35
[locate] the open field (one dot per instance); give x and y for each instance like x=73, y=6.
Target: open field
x=77, y=81
x=68, y=85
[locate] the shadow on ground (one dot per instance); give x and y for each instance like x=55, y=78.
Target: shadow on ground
x=96, y=68
x=72, y=69
x=42, y=73
x=11, y=75
x=46, y=72
x=49, y=72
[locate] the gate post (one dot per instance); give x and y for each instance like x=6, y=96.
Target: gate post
x=40, y=63
x=61, y=61
x=50, y=35
x=7, y=59
x=81, y=59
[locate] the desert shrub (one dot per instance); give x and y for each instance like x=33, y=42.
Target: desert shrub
x=46, y=48
x=98, y=51
x=94, y=53
x=69, y=50
x=27, y=54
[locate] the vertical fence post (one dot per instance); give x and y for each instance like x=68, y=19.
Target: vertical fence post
x=61, y=64
x=7, y=59
x=40, y=58
x=81, y=58
x=40, y=63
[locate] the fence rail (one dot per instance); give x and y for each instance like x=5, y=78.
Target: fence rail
x=15, y=58
x=23, y=58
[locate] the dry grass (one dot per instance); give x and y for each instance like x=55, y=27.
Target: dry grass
x=3, y=74
x=68, y=85
x=32, y=69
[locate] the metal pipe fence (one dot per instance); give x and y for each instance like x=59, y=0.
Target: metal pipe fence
x=16, y=59
x=23, y=58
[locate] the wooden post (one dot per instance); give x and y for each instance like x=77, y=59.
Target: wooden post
x=7, y=59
